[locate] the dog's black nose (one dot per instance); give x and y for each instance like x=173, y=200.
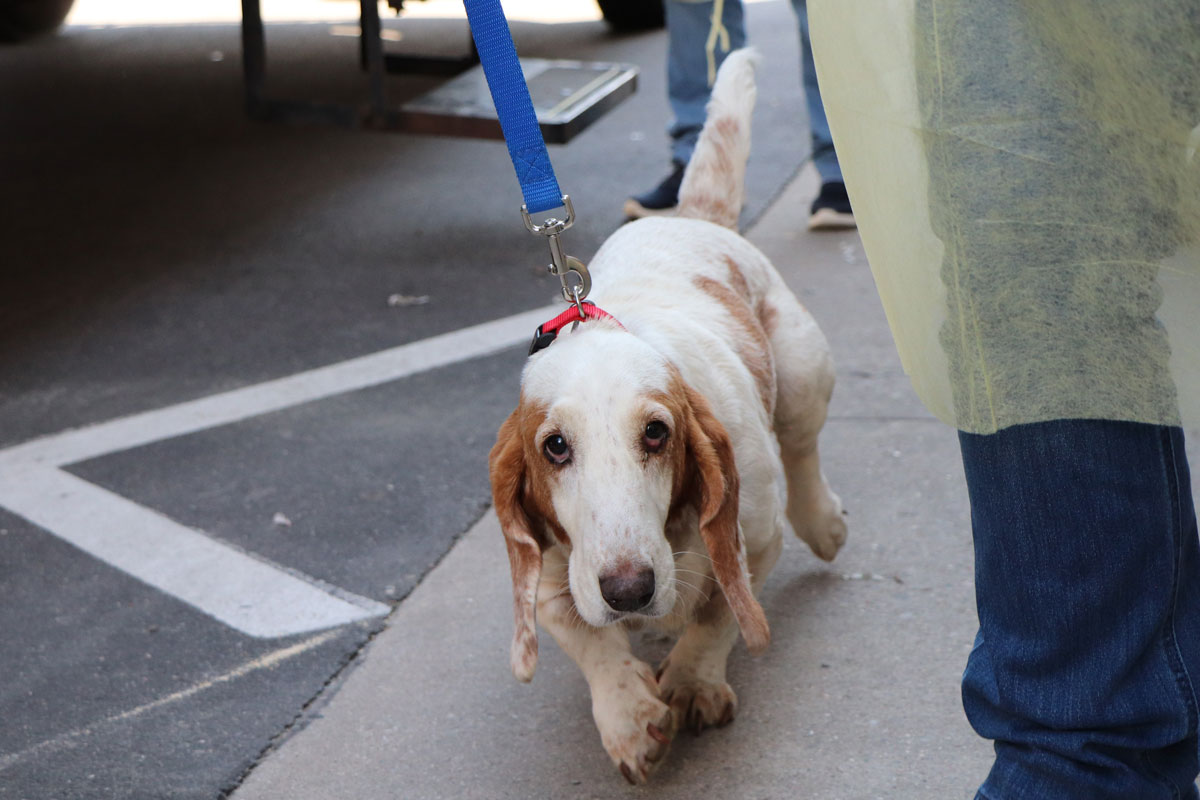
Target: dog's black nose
x=628, y=589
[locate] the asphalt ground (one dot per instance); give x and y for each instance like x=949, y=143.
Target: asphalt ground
x=200, y=524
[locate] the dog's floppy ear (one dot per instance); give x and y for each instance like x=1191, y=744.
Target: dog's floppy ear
x=506, y=466
x=711, y=453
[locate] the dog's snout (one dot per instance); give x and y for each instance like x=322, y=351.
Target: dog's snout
x=628, y=589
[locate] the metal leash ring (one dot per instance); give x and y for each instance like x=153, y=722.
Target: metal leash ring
x=576, y=283
x=561, y=264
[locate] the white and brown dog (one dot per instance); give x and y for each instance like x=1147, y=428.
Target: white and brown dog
x=645, y=475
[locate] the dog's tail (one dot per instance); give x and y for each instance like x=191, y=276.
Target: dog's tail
x=713, y=186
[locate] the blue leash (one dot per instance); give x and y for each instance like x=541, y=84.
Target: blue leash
x=526, y=147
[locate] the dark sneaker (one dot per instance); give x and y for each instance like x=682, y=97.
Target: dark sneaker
x=831, y=209
x=659, y=201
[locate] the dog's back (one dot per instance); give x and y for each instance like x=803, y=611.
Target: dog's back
x=713, y=187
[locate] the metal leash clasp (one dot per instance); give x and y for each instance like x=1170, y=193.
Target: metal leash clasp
x=576, y=282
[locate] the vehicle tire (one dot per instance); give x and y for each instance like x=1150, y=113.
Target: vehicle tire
x=24, y=19
x=631, y=15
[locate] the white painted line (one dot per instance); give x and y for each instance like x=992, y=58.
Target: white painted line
x=70, y=738
x=243, y=591
x=247, y=594
x=223, y=409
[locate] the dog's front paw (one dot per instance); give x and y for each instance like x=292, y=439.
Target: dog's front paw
x=635, y=725
x=697, y=704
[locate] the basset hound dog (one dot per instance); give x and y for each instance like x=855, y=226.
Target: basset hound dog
x=657, y=448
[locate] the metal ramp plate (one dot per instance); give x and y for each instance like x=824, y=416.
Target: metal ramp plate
x=567, y=96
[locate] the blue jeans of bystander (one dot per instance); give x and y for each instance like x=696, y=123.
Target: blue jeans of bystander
x=823, y=155
x=1088, y=587
x=693, y=41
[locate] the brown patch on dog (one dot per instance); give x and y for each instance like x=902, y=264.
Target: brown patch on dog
x=711, y=450
x=709, y=205
x=768, y=316
x=520, y=480
x=683, y=472
x=752, y=346
x=539, y=473
x=737, y=279
x=705, y=477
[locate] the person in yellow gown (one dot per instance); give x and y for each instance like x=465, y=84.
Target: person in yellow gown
x=1026, y=182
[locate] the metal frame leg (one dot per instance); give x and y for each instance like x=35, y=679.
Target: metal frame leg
x=254, y=57
x=396, y=64
x=372, y=46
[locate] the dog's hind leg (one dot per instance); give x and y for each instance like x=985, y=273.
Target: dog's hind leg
x=805, y=377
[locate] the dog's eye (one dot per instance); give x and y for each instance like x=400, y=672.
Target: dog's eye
x=556, y=449
x=655, y=436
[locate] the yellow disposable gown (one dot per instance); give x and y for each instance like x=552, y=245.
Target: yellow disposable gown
x=1026, y=178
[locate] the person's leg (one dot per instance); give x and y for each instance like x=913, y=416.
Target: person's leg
x=823, y=155
x=697, y=44
x=1088, y=587
x=831, y=208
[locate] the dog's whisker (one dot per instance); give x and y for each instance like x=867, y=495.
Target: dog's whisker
x=696, y=589
x=705, y=580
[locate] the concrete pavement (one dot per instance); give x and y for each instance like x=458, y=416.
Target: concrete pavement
x=857, y=697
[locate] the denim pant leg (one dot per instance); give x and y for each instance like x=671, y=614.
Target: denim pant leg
x=1088, y=587
x=689, y=26
x=823, y=155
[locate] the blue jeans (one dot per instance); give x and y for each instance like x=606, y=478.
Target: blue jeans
x=689, y=26
x=823, y=155
x=1088, y=587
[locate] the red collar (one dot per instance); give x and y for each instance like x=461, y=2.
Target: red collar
x=547, y=332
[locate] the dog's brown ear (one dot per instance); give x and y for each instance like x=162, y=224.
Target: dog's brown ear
x=712, y=454
x=506, y=466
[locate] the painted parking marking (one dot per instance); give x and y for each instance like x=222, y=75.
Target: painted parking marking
x=74, y=737
x=241, y=590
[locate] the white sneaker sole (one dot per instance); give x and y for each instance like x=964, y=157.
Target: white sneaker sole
x=826, y=219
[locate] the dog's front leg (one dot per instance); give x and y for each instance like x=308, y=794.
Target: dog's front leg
x=635, y=724
x=692, y=678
